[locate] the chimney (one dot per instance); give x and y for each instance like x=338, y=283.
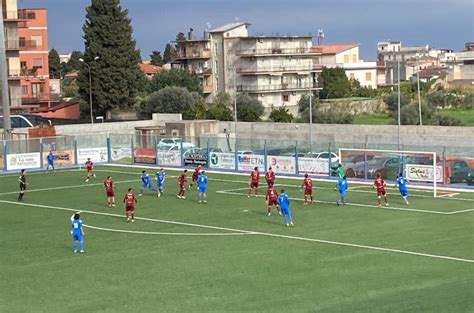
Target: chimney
x=206, y=35
x=190, y=34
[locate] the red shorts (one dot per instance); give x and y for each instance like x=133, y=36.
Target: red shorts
x=381, y=192
x=195, y=178
x=129, y=208
x=89, y=169
x=308, y=192
x=110, y=194
x=254, y=184
x=270, y=183
x=272, y=202
x=182, y=187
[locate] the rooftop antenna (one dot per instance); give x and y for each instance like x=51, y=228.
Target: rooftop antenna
x=320, y=36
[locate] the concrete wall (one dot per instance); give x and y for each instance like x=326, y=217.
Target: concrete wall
x=112, y=127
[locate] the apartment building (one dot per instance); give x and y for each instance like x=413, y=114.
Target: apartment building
x=346, y=56
x=10, y=24
x=33, y=43
x=275, y=69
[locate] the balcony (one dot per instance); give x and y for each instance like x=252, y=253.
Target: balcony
x=11, y=15
x=207, y=89
x=14, y=74
x=271, y=69
x=276, y=88
x=29, y=45
x=12, y=45
x=276, y=51
x=201, y=71
x=35, y=99
x=194, y=55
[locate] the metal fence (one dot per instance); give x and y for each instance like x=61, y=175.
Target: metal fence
x=456, y=165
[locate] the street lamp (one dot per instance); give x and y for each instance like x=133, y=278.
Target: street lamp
x=90, y=86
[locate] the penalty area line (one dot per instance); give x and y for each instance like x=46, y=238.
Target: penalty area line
x=321, y=241
x=163, y=233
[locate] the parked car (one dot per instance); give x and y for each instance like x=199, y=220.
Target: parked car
x=357, y=158
x=166, y=143
x=23, y=121
x=245, y=152
x=459, y=171
x=325, y=156
x=385, y=166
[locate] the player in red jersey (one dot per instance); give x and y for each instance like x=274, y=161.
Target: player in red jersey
x=271, y=199
x=307, y=185
x=109, y=191
x=196, y=172
x=89, y=167
x=270, y=177
x=130, y=200
x=253, y=182
x=182, y=184
x=379, y=184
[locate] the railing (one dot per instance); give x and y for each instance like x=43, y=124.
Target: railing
x=251, y=52
x=201, y=71
x=12, y=44
x=29, y=45
x=35, y=99
x=204, y=54
x=278, y=87
x=10, y=15
x=14, y=73
x=257, y=69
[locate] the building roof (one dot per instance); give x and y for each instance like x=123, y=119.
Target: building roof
x=149, y=68
x=273, y=37
x=333, y=48
x=228, y=27
x=60, y=106
x=73, y=74
x=432, y=72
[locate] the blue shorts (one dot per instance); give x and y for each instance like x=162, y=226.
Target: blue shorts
x=285, y=210
x=202, y=188
x=342, y=193
x=76, y=237
x=51, y=163
x=146, y=185
x=404, y=192
x=159, y=185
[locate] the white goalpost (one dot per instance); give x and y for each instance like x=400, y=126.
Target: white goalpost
x=420, y=167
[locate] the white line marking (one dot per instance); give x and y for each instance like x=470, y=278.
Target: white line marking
x=231, y=192
x=41, y=172
x=434, y=256
x=462, y=211
x=163, y=233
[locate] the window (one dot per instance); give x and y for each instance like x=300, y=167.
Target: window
x=23, y=64
x=31, y=15
x=368, y=76
x=346, y=58
x=354, y=58
x=22, y=42
x=215, y=49
x=286, y=98
x=37, y=89
x=38, y=63
x=36, y=41
x=217, y=84
x=24, y=90
x=351, y=76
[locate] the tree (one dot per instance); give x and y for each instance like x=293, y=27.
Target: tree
x=220, y=108
x=335, y=83
x=115, y=74
x=73, y=64
x=409, y=115
x=249, y=109
x=168, y=53
x=54, y=64
x=156, y=59
x=333, y=117
x=169, y=100
x=303, y=108
x=392, y=102
x=180, y=78
x=198, y=110
x=180, y=37
x=281, y=115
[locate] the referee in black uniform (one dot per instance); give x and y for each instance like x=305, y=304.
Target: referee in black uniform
x=22, y=180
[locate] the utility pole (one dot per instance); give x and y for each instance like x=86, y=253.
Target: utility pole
x=4, y=80
x=398, y=92
x=235, y=104
x=90, y=86
x=310, y=120
x=418, y=87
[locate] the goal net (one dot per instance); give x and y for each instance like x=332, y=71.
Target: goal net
x=424, y=170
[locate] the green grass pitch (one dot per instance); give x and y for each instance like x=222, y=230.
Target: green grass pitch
x=228, y=255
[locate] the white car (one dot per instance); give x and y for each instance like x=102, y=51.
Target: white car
x=325, y=156
x=245, y=152
x=167, y=143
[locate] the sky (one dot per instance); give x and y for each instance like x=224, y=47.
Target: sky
x=441, y=24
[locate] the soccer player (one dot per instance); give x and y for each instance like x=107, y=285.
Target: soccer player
x=402, y=187
x=253, y=182
x=77, y=233
x=23, y=183
x=109, y=191
x=89, y=169
x=270, y=177
x=182, y=184
x=272, y=200
x=342, y=187
x=146, y=183
x=307, y=185
x=202, y=183
x=195, y=176
x=340, y=174
x=130, y=200
x=379, y=184
x=284, y=203
x=160, y=181
x=50, y=159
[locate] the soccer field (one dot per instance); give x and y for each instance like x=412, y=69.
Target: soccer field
x=228, y=255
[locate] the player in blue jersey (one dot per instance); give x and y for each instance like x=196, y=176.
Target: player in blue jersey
x=160, y=181
x=402, y=187
x=77, y=233
x=50, y=159
x=146, y=183
x=342, y=187
x=284, y=203
x=202, y=183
